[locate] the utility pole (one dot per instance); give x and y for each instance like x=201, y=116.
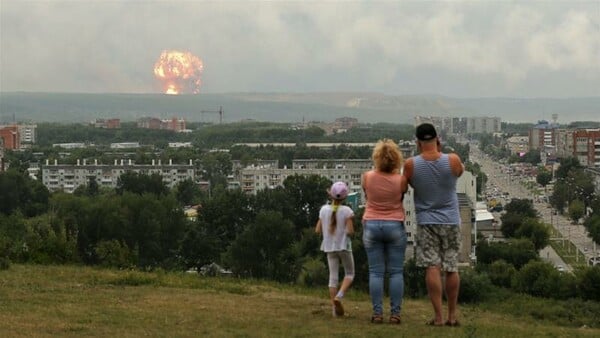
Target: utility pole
x=220, y=112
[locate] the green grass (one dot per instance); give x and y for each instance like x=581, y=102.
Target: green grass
x=72, y=301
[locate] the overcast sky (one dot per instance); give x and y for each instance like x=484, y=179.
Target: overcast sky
x=456, y=48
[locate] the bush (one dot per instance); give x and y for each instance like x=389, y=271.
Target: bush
x=501, y=273
x=314, y=273
x=4, y=263
x=588, y=281
x=414, y=279
x=538, y=279
x=114, y=254
x=474, y=287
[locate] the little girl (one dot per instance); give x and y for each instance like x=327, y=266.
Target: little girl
x=335, y=222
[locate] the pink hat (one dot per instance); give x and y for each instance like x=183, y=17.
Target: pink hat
x=338, y=190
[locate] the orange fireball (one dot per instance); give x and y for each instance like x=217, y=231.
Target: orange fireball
x=179, y=72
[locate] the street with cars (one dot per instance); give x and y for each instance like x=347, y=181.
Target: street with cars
x=504, y=184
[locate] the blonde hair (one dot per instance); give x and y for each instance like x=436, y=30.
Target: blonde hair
x=387, y=156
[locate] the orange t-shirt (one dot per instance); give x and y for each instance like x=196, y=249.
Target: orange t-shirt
x=384, y=193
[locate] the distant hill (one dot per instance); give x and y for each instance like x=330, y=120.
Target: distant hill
x=286, y=107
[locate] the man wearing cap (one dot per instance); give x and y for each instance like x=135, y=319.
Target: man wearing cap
x=433, y=175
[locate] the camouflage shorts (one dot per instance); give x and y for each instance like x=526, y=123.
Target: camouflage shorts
x=438, y=245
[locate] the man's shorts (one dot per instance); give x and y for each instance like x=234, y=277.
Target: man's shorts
x=438, y=245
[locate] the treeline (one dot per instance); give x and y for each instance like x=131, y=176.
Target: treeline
x=211, y=136
x=515, y=264
x=141, y=224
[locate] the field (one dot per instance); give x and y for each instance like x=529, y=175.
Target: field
x=69, y=301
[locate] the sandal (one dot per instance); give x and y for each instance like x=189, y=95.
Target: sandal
x=433, y=323
x=376, y=319
x=339, y=308
x=395, y=319
x=454, y=323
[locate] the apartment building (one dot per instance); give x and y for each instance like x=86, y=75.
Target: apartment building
x=68, y=177
x=10, y=137
x=518, y=144
x=107, y=123
x=27, y=133
x=255, y=178
x=542, y=134
x=586, y=144
x=174, y=124
x=462, y=125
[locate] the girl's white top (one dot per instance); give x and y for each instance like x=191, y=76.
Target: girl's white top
x=339, y=240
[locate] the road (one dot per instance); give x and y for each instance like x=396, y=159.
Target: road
x=501, y=181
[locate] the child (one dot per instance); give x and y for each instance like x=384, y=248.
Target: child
x=335, y=223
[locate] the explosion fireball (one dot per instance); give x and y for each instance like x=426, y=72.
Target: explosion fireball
x=179, y=72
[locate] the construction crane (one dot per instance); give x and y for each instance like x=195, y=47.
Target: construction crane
x=220, y=112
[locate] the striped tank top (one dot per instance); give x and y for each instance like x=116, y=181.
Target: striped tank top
x=434, y=187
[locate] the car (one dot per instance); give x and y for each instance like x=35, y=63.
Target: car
x=560, y=268
x=594, y=261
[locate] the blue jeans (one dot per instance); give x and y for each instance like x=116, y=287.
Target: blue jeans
x=385, y=243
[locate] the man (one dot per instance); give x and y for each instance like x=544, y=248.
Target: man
x=433, y=176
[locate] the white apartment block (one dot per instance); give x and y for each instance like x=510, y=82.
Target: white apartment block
x=483, y=125
x=27, y=133
x=68, y=177
x=462, y=125
x=255, y=178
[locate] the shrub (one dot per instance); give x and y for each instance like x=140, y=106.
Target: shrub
x=588, y=282
x=538, y=279
x=474, y=287
x=4, y=263
x=501, y=273
x=414, y=279
x=113, y=253
x=314, y=273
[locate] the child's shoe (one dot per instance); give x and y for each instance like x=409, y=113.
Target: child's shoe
x=338, y=307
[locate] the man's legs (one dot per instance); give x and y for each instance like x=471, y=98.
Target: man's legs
x=452, y=288
x=433, y=280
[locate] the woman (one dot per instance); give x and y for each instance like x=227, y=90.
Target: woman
x=384, y=235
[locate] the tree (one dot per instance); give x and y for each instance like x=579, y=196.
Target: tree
x=187, y=192
x=543, y=177
x=515, y=251
x=592, y=224
x=510, y=223
x=589, y=283
x=306, y=194
x=501, y=273
x=523, y=207
x=566, y=165
x=18, y=191
x=141, y=183
x=259, y=250
x=537, y=232
x=538, y=279
x=576, y=210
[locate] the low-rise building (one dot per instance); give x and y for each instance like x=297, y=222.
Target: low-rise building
x=68, y=177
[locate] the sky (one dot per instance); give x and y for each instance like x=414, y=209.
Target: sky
x=452, y=48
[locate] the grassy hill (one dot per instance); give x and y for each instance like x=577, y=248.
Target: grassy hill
x=69, y=301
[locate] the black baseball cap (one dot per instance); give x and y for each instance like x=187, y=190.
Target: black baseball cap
x=426, y=132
